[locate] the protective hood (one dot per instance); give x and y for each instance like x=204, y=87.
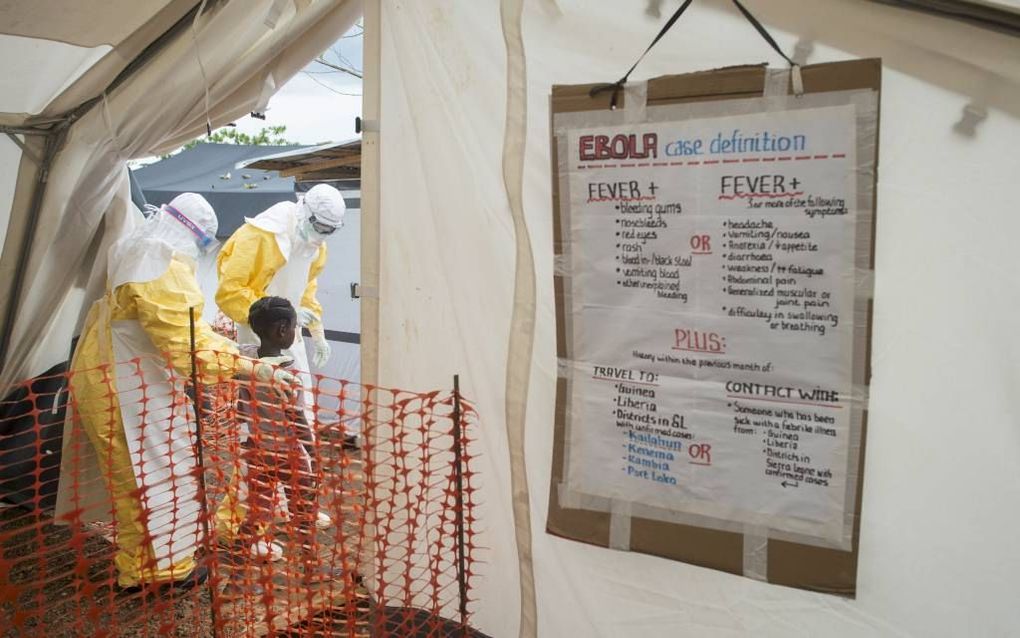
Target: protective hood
x=281, y=220
x=184, y=227
x=324, y=204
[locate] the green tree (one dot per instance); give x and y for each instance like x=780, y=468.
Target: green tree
x=268, y=136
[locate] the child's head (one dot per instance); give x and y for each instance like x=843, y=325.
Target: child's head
x=274, y=320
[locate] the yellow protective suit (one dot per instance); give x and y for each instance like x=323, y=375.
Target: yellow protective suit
x=161, y=309
x=247, y=264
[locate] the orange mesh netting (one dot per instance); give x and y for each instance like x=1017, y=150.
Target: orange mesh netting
x=346, y=514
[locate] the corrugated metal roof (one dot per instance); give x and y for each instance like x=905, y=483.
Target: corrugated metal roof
x=225, y=175
x=328, y=162
x=210, y=170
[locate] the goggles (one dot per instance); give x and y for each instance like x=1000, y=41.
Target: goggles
x=205, y=242
x=323, y=228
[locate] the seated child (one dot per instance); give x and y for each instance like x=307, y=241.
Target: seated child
x=274, y=448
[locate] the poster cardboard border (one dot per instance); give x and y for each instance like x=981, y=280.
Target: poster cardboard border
x=791, y=564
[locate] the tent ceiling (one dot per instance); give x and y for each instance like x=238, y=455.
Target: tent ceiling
x=980, y=65
x=45, y=69
x=69, y=52
x=1009, y=5
x=1001, y=15
x=84, y=24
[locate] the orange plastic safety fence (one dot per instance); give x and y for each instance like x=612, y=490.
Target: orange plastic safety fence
x=240, y=507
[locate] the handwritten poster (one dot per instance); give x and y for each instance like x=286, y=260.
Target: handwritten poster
x=713, y=268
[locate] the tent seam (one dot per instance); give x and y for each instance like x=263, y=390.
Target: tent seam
x=522, y=323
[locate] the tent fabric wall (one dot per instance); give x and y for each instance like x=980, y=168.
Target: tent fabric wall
x=10, y=155
x=938, y=551
x=214, y=68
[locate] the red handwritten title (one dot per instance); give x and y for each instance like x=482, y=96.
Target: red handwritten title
x=632, y=146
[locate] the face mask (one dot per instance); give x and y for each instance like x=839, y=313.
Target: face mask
x=308, y=234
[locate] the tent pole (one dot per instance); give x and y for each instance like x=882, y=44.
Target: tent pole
x=458, y=471
x=52, y=145
x=371, y=209
x=24, y=130
x=25, y=150
x=203, y=501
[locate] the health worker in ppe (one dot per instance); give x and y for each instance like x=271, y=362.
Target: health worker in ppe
x=280, y=253
x=128, y=378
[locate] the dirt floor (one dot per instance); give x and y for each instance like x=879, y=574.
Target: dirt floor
x=62, y=585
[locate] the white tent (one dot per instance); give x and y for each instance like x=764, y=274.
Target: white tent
x=457, y=122
x=457, y=261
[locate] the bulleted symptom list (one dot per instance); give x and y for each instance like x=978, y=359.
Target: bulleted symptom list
x=712, y=264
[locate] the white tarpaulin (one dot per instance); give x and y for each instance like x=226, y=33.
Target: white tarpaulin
x=937, y=549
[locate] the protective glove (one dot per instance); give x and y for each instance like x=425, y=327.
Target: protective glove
x=322, y=349
x=282, y=360
x=307, y=317
x=266, y=372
